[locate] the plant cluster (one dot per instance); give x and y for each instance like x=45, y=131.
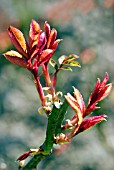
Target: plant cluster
x=37, y=53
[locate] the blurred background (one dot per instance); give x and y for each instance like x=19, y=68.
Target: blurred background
x=87, y=29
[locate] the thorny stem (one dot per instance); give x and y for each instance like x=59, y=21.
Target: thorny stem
x=53, y=128
x=33, y=162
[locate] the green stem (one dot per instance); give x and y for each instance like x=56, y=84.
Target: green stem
x=33, y=162
x=53, y=128
x=61, y=116
x=50, y=133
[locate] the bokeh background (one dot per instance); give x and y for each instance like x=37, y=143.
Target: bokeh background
x=87, y=29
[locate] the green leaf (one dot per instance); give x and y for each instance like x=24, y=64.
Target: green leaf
x=68, y=60
x=61, y=59
x=65, y=68
x=71, y=57
x=73, y=63
x=53, y=64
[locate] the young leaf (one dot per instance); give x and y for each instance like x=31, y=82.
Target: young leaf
x=45, y=56
x=72, y=63
x=91, y=121
x=52, y=38
x=71, y=57
x=47, y=29
x=18, y=40
x=34, y=33
x=55, y=44
x=79, y=99
x=53, y=64
x=16, y=58
x=65, y=68
x=69, y=60
x=61, y=59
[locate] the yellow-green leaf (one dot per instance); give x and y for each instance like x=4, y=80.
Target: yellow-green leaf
x=65, y=68
x=52, y=62
x=69, y=60
x=13, y=54
x=40, y=110
x=71, y=57
x=72, y=63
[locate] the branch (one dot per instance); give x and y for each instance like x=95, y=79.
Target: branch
x=53, y=128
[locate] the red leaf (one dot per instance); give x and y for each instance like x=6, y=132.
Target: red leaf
x=73, y=103
x=95, y=91
x=105, y=92
x=52, y=38
x=55, y=44
x=24, y=156
x=16, y=58
x=104, y=81
x=18, y=40
x=34, y=34
x=42, y=42
x=45, y=56
x=47, y=29
x=75, y=106
x=91, y=121
x=100, y=92
x=79, y=99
